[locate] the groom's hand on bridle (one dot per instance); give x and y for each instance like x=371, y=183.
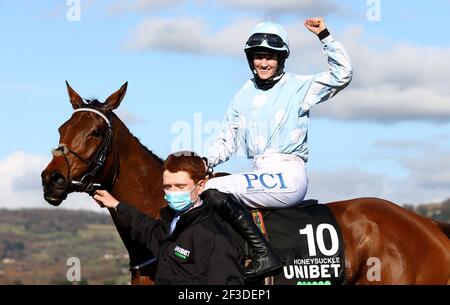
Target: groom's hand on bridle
x=105, y=199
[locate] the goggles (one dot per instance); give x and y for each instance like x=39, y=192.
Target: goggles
x=272, y=40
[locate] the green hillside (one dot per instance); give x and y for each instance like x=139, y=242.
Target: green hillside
x=35, y=245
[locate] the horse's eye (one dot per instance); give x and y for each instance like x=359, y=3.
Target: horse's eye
x=97, y=133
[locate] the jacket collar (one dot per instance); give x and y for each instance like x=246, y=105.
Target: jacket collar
x=193, y=216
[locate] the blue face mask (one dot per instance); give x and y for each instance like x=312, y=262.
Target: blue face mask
x=180, y=201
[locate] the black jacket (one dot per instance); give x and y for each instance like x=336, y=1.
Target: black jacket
x=199, y=251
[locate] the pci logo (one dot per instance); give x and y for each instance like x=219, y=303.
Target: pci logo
x=181, y=253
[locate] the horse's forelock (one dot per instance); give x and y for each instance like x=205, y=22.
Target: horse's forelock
x=94, y=104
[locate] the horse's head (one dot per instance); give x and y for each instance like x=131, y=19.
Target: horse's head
x=86, y=139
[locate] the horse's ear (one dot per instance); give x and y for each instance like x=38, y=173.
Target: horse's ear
x=113, y=101
x=75, y=99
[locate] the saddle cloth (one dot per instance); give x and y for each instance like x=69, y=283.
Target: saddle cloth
x=310, y=242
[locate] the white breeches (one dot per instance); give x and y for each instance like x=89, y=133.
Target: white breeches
x=276, y=181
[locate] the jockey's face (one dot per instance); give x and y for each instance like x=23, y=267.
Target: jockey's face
x=182, y=181
x=265, y=64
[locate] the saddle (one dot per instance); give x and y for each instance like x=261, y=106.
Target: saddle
x=310, y=242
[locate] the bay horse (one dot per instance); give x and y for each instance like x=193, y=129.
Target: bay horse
x=97, y=150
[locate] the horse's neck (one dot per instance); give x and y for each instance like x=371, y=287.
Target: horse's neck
x=140, y=174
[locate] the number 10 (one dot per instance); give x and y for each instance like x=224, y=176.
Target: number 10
x=308, y=231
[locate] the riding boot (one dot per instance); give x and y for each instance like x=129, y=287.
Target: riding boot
x=265, y=260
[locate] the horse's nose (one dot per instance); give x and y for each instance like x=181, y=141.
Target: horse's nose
x=54, y=186
x=58, y=179
x=54, y=179
x=45, y=177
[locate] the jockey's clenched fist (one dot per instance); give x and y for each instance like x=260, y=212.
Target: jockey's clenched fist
x=315, y=25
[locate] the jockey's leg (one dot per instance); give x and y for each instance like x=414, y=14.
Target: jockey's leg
x=265, y=259
x=270, y=188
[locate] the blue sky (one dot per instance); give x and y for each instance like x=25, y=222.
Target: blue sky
x=387, y=135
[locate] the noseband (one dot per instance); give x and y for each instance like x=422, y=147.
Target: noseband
x=85, y=184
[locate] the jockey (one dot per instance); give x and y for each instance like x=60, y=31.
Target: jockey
x=269, y=116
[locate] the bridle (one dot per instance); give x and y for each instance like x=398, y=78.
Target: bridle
x=85, y=184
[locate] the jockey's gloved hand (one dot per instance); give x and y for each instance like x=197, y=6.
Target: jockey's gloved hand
x=208, y=168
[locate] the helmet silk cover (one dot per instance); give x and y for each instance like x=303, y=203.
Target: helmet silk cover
x=268, y=43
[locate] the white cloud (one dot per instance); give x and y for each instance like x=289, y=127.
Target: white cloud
x=20, y=186
x=400, y=149
x=269, y=7
x=388, y=104
x=304, y=7
x=427, y=177
x=430, y=170
x=343, y=184
x=400, y=83
x=122, y=6
x=171, y=35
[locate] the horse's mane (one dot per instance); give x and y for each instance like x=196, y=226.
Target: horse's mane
x=151, y=153
x=96, y=104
